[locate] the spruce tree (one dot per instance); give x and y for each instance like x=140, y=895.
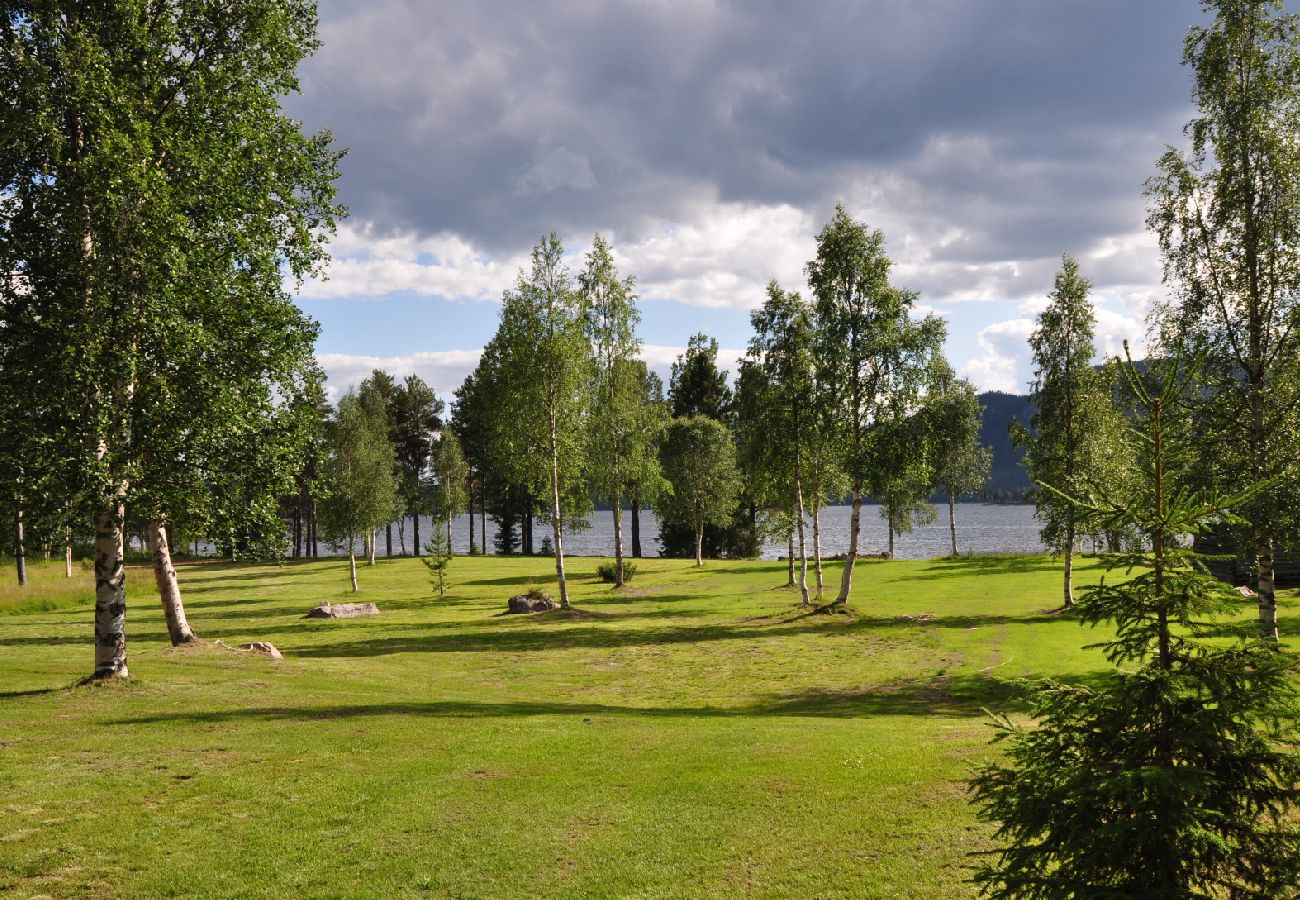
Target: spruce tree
x=1176, y=776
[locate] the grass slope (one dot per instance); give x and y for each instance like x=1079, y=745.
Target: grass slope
x=693, y=735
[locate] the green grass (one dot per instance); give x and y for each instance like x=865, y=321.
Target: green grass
x=693, y=735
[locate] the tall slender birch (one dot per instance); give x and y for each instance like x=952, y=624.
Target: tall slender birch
x=1227, y=214
x=609, y=302
x=543, y=361
x=870, y=352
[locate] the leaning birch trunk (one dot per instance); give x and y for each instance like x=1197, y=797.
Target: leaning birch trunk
x=855, y=524
x=817, y=545
x=169, y=588
x=557, y=523
x=803, y=550
x=20, y=546
x=952, y=521
x=67, y=551
x=110, y=593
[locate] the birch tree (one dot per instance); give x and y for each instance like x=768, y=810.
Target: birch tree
x=1227, y=215
x=609, y=302
x=782, y=349
x=543, y=359
x=450, y=476
x=358, y=476
x=1062, y=449
x=870, y=351
x=154, y=199
x=961, y=462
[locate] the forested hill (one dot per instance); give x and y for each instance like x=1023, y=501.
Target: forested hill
x=1009, y=479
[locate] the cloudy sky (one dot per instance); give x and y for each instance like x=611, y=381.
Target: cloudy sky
x=710, y=140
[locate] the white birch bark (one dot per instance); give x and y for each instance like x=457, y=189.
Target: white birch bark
x=110, y=593
x=855, y=526
x=169, y=589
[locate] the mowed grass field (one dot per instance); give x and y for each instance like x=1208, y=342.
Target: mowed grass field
x=693, y=735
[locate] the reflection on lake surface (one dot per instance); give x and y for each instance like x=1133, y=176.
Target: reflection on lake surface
x=981, y=528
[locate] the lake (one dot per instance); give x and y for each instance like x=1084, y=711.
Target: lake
x=981, y=528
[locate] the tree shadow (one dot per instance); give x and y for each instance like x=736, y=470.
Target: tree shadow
x=949, y=567
x=943, y=695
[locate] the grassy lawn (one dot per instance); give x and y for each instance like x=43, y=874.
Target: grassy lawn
x=693, y=735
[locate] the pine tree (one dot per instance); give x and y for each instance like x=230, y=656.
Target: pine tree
x=1175, y=778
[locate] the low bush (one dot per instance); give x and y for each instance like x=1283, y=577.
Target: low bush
x=608, y=571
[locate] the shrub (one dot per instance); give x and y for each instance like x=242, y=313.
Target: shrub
x=608, y=571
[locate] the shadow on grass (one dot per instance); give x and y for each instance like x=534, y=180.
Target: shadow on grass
x=941, y=695
x=559, y=634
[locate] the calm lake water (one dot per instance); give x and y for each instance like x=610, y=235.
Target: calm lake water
x=981, y=528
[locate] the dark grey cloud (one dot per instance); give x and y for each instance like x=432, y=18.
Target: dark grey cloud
x=497, y=121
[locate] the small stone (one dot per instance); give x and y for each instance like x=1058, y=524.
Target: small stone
x=530, y=603
x=1245, y=591
x=328, y=610
x=264, y=647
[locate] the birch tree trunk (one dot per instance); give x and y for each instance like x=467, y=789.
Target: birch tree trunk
x=1069, y=562
x=374, y=541
x=618, y=540
x=699, y=544
x=952, y=521
x=67, y=551
x=817, y=546
x=415, y=532
x=471, y=524
x=352, y=564
x=889, y=523
x=110, y=593
x=557, y=522
x=1267, y=590
x=169, y=588
x=388, y=541
x=401, y=535
x=855, y=525
x=20, y=546
x=448, y=533
x=803, y=551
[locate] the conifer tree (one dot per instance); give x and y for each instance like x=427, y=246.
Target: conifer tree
x=1177, y=776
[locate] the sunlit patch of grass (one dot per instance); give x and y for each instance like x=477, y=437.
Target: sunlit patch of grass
x=696, y=735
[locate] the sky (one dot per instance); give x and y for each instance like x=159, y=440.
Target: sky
x=709, y=141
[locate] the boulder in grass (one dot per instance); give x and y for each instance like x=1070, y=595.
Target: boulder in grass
x=328, y=610
x=264, y=647
x=530, y=603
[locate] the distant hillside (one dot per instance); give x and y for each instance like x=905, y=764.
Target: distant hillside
x=1009, y=479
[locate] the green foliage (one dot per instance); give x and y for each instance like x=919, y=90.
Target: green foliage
x=699, y=462
x=450, y=474
x=358, y=472
x=608, y=571
x=697, y=387
x=1227, y=215
x=1177, y=778
x=437, y=559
